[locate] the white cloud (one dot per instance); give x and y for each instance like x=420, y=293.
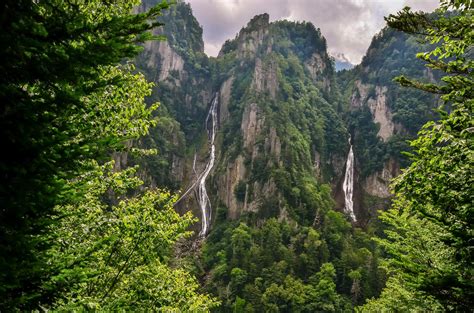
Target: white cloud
x=212, y=49
x=348, y=25
x=422, y=5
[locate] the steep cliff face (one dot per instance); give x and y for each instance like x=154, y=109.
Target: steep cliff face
x=180, y=70
x=378, y=106
x=282, y=139
x=383, y=115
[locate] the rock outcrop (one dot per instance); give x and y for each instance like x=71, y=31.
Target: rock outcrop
x=377, y=184
x=265, y=77
x=224, y=101
x=282, y=122
x=251, y=37
x=375, y=97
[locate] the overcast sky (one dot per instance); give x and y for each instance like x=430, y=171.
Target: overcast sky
x=348, y=25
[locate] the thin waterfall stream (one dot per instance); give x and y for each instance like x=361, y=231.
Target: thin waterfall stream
x=203, y=198
x=348, y=185
x=200, y=182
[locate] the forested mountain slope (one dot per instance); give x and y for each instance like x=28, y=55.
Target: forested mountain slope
x=141, y=174
x=284, y=115
x=285, y=121
x=381, y=115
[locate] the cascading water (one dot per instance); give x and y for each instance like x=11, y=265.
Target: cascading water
x=203, y=198
x=348, y=185
x=200, y=182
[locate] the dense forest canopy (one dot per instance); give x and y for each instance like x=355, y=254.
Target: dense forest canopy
x=107, y=110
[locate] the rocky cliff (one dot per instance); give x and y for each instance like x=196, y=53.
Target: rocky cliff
x=383, y=115
x=284, y=117
x=180, y=70
x=279, y=122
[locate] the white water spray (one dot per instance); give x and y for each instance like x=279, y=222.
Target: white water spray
x=348, y=185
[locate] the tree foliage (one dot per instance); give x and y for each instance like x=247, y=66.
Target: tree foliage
x=76, y=233
x=114, y=255
x=279, y=266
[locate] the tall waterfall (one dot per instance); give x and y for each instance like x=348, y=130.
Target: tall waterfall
x=200, y=182
x=348, y=185
x=203, y=198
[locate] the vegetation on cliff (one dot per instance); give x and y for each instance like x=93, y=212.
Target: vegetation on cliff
x=87, y=221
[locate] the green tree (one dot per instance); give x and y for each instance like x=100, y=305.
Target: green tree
x=57, y=58
x=430, y=242
x=322, y=294
x=238, y=278
x=241, y=240
x=115, y=256
x=312, y=245
x=293, y=295
x=289, y=297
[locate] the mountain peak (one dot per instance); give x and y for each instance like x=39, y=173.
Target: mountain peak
x=259, y=21
x=250, y=37
x=342, y=62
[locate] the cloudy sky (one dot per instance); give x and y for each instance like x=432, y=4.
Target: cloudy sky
x=348, y=25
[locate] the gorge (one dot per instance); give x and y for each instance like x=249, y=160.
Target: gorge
x=290, y=197
x=140, y=173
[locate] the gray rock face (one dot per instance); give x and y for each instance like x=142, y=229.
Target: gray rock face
x=316, y=67
x=378, y=183
x=381, y=113
x=169, y=61
x=251, y=126
x=265, y=78
x=234, y=173
x=378, y=106
x=225, y=99
x=251, y=37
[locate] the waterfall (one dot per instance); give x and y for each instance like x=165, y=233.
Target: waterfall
x=203, y=198
x=200, y=182
x=348, y=185
x=194, y=163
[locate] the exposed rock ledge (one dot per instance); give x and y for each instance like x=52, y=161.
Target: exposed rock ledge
x=378, y=183
x=168, y=59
